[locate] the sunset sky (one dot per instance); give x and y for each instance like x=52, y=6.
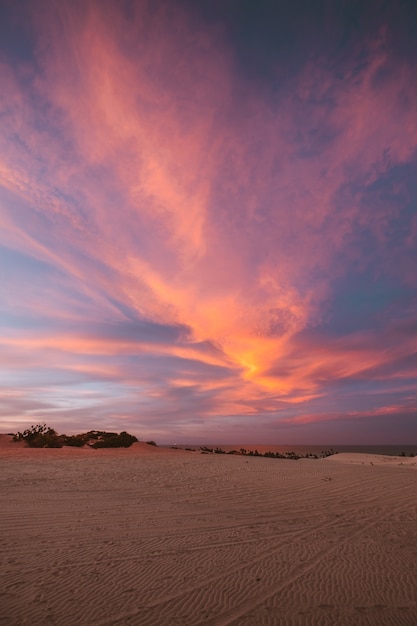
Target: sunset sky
x=208, y=219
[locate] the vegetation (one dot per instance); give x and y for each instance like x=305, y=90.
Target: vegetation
x=76, y=441
x=41, y=436
x=270, y=455
x=113, y=440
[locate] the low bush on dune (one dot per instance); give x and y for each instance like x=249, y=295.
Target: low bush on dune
x=75, y=441
x=113, y=440
x=39, y=436
x=42, y=436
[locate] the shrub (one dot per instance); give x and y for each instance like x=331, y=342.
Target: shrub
x=39, y=436
x=151, y=443
x=113, y=440
x=76, y=441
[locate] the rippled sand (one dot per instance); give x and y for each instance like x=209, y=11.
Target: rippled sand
x=162, y=537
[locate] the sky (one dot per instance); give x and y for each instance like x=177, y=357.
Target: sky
x=208, y=219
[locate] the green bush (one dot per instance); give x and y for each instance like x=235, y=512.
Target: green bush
x=39, y=436
x=113, y=440
x=76, y=441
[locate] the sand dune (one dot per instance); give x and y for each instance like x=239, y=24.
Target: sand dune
x=373, y=459
x=163, y=537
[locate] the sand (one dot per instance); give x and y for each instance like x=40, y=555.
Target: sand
x=163, y=537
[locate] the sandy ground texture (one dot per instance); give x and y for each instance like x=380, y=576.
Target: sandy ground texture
x=161, y=537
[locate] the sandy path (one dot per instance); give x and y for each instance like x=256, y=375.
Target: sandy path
x=181, y=538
